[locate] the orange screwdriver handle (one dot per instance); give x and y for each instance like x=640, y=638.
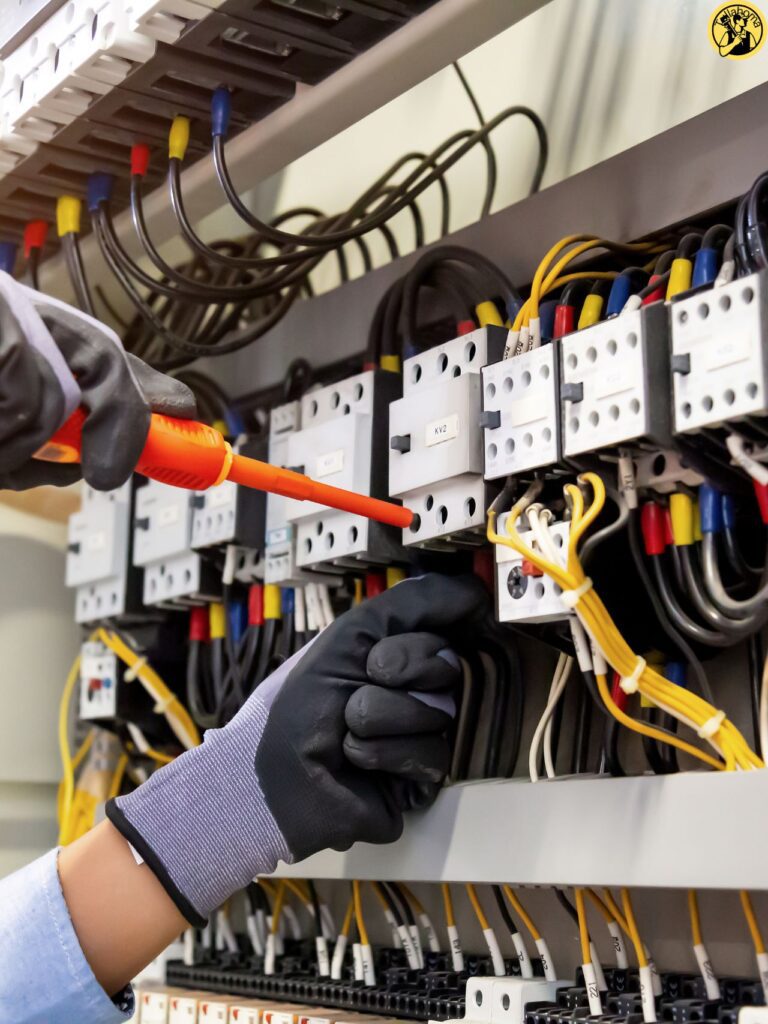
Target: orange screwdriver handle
x=182, y=453
x=188, y=454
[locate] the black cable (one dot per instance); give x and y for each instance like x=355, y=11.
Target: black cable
x=33, y=266
x=567, y=906
x=492, y=173
x=405, y=904
x=503, y=906
x=756, y=657
x=268, y=638
x=684, y=649
x=392, y=906
x=316, y=908
x=76, y=271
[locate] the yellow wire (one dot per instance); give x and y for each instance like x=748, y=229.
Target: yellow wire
x=693, y=913
x=348, y=918
x=616, y=911
x=67, y=766
x=177, y=715
x=689, y=708
x=117, y=777
x=450, y=918
x=359, y=913
x=77, y=760
x=152, y=754
x=637, y=942
x=479, y=913
x=581, y=912
x=297, y=891
x=269, y=887
x=418, y=906
x=277, y=907
x=522, y=913
x=754, y=927
x=600, y=906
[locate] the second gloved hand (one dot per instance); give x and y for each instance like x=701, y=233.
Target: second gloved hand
x=53, y=358
x=330, y=750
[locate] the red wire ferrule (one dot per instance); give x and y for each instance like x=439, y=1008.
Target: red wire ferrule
x=139, y=159
x=761, y=493
x=35, y=234
x=199, y=630
x=375, y=584
x=652, y=526
x=256, y=605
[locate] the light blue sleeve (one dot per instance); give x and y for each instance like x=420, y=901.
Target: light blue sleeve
x=44, y=976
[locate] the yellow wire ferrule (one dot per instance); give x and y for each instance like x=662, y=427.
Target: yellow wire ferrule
x=591, y=311
x=272, y=601
x=680, y=274
x=681, y=514
x=178, y=138
x=488, y=315
x=391, y=363
x=395, y=575
x=68, y=210
x=217, y=621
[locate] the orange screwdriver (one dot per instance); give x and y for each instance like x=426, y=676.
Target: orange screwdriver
x=193, y=455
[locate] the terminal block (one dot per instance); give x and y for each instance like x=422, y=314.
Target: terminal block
x=615, y=382
x=342, y=442
x=523, y=593
x=521, y=412
x=436, y=439
x=719, y=355
x=99, y=555
x=162, y=540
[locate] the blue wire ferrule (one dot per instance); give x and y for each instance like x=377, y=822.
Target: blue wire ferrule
x=547, y=319
x=514, y=305
x=621, y=289
x=710, y=509
x=728, y=510
x=705, y=267
x=238, y=619
x=288, y=600
x=675, y=672
x=99, y=190
x=221, y=108
x=8, y=256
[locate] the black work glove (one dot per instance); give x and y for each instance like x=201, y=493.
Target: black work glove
x=330, y=750
x=53, y=359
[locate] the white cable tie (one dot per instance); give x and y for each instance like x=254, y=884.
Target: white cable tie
x=162, y=705
x=712, y=726
x=630, y=684
x=133, y=672
x=571, y=598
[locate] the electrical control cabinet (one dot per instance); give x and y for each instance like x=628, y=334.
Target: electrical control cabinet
x=522, y=593
x=99, y=554
x=343, y=443
x=521, y=412
x=162, y=547
x=719, y=360
x=615, y=382
x=435, y=438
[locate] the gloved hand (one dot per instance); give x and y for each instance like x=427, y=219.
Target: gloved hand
x=328, y=751
x=54, y=358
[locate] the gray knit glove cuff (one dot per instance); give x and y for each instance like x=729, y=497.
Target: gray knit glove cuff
x=202, y=823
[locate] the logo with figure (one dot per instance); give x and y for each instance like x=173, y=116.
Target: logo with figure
x=737, y=31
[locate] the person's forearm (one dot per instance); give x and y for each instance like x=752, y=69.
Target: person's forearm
x=122, y=915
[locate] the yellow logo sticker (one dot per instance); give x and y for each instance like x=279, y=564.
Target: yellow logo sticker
x=737, y=31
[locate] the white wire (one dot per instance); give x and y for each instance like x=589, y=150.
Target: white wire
x=560, y=678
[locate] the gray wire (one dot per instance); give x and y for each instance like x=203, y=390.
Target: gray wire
x=710, y=614
x=716, y=590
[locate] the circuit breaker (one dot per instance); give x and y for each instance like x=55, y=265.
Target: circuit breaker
x=436, y=439
x=521, y=412
x=279, y=543
x=98, y=682
x=523, y=594
x=162, y=546
x=719, y=360
x=343, y=443
x=615, y=382
x=98, y=555
x=232, y=517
